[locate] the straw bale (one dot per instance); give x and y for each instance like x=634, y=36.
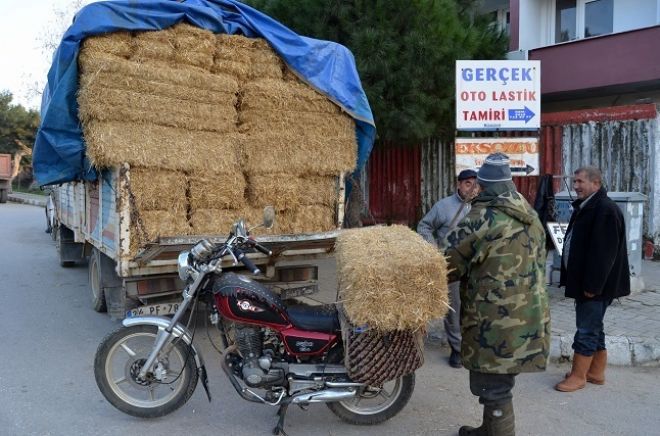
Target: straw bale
x=296, y=155
x=390, y=278
x=311, y=219
x=113, y=143
x=107, y=104
x=298, y=123
x=117, y=44
x=155, y=189
x=149, y=225
x=269, y=94
x=284, y=191
x=214, y=221
x=220, y=191
x=92, y=63
x=261, y=70
x=194, y=46
x=154, y=45
x=163, y=89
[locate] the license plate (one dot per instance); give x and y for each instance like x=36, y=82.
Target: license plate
x=153, y=310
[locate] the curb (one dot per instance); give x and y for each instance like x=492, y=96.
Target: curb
x=621, y=350
x=31, y=201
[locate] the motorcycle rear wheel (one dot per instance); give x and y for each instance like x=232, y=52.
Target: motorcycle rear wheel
x=118, y=361
x=365, y=409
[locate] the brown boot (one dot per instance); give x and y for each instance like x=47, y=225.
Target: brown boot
x=482, y=430
x=578, y=378
x=596, y=373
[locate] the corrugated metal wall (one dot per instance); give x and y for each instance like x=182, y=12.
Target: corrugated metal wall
x=394, y=183
x=437, y=172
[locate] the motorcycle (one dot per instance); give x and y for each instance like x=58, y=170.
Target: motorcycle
x=272, y=353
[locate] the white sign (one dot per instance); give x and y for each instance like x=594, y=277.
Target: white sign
x=557, y=233
x=523, y=153
x=498, y=95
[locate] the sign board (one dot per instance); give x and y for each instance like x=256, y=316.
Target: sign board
x=557, y=233
x=498, y=95
x=523, y=153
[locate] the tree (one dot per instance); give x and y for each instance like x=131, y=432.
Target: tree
x=18, y=128
x=405, y=52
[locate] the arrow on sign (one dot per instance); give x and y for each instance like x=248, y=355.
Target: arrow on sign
x=521, y=114
x=526, y=170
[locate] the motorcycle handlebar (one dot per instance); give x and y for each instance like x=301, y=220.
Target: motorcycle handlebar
x=260, y=248
x=247, y=262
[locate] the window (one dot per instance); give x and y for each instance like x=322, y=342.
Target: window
x=598, y=17
x=575, y=19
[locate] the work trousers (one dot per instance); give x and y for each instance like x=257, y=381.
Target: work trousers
x=452, y=320
x=590, y=333
x=492, y=389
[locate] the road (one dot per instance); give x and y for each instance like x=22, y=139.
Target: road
x=50, y=335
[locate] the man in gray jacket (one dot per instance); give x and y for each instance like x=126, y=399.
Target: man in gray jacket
x=443, y=217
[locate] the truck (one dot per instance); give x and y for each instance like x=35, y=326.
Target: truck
x=92, y=220
x=5, y=177
x=92, y=206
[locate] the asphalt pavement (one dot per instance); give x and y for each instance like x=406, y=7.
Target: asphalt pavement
x=51, y=333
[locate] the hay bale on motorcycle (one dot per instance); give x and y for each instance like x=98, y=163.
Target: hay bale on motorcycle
x=390, y=278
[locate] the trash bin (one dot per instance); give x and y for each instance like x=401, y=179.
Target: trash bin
x=632, y=207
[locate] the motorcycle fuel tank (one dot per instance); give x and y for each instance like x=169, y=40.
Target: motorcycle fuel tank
x=242, y=299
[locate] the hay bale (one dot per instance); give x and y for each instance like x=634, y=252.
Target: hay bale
x=323, y=125
x=193, y=46
x=272, y=94
x=97, y=102
x=92, y=63
x=145, y=145
x=117, y=44
x=103, y=80
x=157, y=45
x=220, y=191
x=246, y=58
x=155, y=189
x=213, y=221
x=284, y=191
x=390, y=278
x=296, y=155
x=311, y=219
x=150, y=225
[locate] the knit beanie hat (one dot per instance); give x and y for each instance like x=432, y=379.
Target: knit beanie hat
x=495, y=169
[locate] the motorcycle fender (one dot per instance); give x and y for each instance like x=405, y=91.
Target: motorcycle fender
x=179, y=331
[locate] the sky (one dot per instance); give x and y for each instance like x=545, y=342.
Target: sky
x=24, y=62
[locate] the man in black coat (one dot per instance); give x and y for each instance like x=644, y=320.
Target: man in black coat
x=594, y=269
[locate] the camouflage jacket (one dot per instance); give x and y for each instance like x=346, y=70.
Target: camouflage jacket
x=505, y=318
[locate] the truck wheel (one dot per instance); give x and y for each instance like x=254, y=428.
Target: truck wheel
x=4, y=195
x=95, y=283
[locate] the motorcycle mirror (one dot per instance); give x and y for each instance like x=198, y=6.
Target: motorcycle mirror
x=269, y=217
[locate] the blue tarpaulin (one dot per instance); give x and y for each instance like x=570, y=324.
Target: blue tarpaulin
x=59, y=151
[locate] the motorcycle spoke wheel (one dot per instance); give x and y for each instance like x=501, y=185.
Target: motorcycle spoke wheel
x=118, y=363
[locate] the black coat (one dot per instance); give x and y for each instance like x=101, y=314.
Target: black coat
x=598, y=256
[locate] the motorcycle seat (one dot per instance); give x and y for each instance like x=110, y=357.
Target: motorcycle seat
x=322, y=318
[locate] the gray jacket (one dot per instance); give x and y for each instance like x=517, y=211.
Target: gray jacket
x=435, y=224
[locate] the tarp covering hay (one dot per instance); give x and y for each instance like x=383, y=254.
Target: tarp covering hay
x=193, y=114
x=390, y=278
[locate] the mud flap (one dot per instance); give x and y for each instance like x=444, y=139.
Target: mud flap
x=203, y=376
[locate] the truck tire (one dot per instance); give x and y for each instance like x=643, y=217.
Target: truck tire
x=95, y=283
x=4, y=195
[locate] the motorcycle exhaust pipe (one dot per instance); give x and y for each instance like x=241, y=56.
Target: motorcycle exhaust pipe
x=325, y=396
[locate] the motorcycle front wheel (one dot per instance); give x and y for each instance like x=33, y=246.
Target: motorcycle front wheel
x=373, y=405
x=118, y=361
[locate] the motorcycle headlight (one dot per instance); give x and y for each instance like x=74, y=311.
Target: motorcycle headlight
x=184, y=265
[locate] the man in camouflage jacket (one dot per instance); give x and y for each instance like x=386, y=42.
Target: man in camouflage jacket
x=505, y=318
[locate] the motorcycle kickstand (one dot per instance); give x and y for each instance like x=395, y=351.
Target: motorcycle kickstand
x=279, y=428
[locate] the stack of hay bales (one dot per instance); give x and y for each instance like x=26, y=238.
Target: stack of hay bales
x=213, y=128
x=390, y=279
